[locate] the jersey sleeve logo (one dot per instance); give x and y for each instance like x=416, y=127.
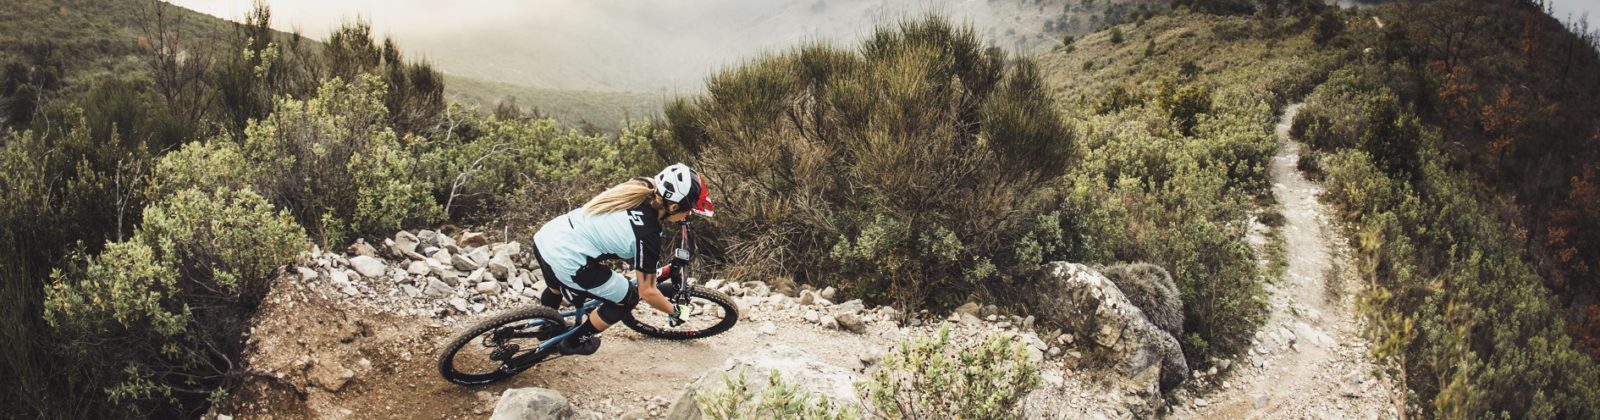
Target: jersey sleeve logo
x=637, y=217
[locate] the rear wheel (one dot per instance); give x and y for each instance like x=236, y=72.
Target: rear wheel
x=713, y=314
x=485, y=353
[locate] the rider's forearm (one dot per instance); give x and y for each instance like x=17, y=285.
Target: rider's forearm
x=652, y=296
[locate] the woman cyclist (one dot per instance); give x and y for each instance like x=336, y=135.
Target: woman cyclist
x=623, y=222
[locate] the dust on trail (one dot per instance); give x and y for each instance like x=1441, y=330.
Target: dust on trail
x=1309, y=359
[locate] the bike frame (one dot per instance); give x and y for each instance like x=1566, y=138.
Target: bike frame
x=674, y=271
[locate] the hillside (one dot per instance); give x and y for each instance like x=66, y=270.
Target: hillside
x=601, y=109
x=1223, y=209
x=96, y=40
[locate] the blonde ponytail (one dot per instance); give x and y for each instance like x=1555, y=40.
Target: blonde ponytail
x=624, y=196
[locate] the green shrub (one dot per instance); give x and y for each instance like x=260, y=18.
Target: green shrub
x=508, y=159
x=1456, y=310
x=1184, y=104
x=205, y=166
x=885, y=165
x=778, y=399
x=922, y=379
x=1327, y=26
x=1179, y=202
x=1116, y=35
x=334, y=163
x=230, y=241
x=158, y=321
x=390, y=195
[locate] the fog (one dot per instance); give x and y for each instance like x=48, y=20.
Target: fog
x=633, y=45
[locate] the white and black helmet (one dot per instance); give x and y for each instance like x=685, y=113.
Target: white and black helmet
x=681, y=185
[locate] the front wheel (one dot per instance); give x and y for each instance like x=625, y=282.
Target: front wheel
x=500, y=347
x=713, y=314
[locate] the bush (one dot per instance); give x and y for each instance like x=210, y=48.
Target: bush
x=1327, y=26
x=1116, y=35
x=921, y=379
x=885, y=165
x=778, y=399
x=1179, y=202
x=205, y=166
x=158, y=321
x=390, y=193
x=334, y=163
x=532, y=168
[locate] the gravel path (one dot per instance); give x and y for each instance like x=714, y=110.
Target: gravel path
x=1309, y=359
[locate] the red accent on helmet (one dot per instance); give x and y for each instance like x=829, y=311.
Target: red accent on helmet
x=702, y=205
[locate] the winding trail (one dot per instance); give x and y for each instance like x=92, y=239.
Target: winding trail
x=1309, y=359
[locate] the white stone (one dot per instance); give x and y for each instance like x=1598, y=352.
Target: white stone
x=306, y=274
x=419, y=268
x=508, y=249
x=338, y=277
x=489, y=287
x=850, y=307
x=502, y=266
x=769, y=328
x=480, y=255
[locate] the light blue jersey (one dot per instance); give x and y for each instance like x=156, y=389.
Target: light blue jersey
x=572, y=241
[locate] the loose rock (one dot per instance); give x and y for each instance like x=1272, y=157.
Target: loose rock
x=362, y=249
x=852, y=322
x=418, y=268
x=501, y=266
x=369, y=267
x=469, y=239
x=850, y=307
x=438, y=288
x=463, y=263
x=531, y=403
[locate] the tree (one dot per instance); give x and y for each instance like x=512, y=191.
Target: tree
x=179, y=73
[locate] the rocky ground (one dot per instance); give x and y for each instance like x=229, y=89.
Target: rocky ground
x=356, y=335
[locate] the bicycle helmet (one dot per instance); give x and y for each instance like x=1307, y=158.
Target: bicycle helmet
x=681, y=185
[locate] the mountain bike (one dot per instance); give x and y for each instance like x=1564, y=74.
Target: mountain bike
x=516, y=340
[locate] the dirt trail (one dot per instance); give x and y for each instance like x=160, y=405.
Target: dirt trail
x=1308, y=360
x=309, y=337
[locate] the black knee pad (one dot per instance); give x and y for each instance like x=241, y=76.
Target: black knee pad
x=613, y=312
x=551, y=298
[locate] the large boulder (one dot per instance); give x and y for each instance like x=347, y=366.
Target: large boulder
x=803, y=370
x=1150, y=288
x=1141, y=358
x=531, y=404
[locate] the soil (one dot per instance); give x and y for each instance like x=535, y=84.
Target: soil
x=307, y=338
